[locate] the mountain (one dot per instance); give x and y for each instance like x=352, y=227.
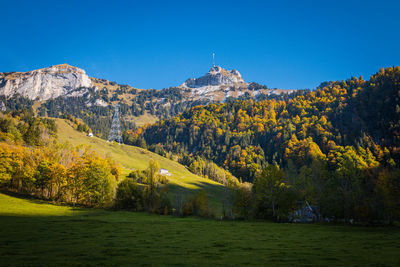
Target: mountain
x=217, y=76
x=47, y=83
x=64, y=80
x=66, y=90
x=218, y=84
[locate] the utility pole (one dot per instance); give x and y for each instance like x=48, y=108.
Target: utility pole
x=115, y=131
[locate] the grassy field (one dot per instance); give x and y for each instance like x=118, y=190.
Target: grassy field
x=145, y=118
x=36, y=233
x=131, y=158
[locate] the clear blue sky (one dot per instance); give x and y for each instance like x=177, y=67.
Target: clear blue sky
x=157, y=44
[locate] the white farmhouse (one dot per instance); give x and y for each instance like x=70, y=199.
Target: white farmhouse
x=165, y=172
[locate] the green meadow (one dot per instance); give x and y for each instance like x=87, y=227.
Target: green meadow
x=34, y=232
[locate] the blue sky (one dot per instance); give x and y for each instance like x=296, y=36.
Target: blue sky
x=157, y=44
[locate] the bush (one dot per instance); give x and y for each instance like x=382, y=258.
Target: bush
x=165, y=206
x=151, y=198
x=138, y=176
x=243, y=201
x=197, y=205
x=129, y=195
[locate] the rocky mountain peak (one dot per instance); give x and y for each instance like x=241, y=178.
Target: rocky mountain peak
x=216, y=76
x=46, y=83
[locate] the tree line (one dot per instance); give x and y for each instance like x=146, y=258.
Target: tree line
x=337, y=147
x=349, y=195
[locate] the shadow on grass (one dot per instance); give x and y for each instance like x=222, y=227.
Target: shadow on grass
x=214, y=191
x=216, y=194
x=27, y=197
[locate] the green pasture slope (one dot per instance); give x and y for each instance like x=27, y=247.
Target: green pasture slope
x=134, y=158
x=35, y=233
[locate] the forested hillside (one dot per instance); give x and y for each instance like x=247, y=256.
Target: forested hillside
x=349, y=117
x=134, y=104
x=338, y=143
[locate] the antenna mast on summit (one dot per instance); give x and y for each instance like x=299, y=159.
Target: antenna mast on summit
x=213, y=60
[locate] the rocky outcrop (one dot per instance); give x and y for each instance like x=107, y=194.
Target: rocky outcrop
x=217, y=76
x=47, y=83
x=214, y=85
x=220, y=84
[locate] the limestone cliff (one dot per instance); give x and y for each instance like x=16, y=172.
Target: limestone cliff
x=46, y=83
x=217, y=76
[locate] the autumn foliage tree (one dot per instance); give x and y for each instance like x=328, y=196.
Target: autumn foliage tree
x=58, y=172
x=330, y=143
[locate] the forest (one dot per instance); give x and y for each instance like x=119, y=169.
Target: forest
x=336, y=147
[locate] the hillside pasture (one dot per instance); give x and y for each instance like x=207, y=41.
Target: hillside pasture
x=130, y=158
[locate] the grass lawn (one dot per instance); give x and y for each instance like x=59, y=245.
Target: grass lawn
x=36, y=233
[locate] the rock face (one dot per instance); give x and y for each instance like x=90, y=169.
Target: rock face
x=217, y=76
x=47, y=83
x=219, y=84
x=215, y=85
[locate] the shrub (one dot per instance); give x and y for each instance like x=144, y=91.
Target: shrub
x=198, y=205
x=243, y=201
x=138, y=176
x=165, y=206
x=129, y=195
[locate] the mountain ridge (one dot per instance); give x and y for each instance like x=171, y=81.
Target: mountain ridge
x=64, y=80
x=67, y=90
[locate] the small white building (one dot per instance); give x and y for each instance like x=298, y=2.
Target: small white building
x=165, y=172
x=90, y=134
